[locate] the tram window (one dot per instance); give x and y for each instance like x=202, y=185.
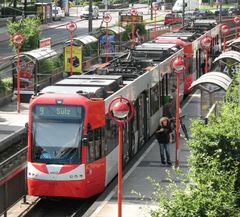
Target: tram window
x=110, y=134
x=95, y=145
x=97, y=142
x=154, y=96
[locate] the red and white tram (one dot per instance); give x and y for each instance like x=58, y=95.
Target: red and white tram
x=72, y=143
x=189, y=39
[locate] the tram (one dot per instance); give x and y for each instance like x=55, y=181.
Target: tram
x=72, y=143
x=189, y=39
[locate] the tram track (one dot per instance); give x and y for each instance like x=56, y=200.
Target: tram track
x=60, y=207
x=12, y=157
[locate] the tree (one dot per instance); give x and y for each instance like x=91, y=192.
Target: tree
x=29, y=28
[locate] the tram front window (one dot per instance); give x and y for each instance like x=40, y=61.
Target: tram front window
x=57, y=134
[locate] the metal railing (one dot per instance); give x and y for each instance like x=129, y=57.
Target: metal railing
x=13, y=185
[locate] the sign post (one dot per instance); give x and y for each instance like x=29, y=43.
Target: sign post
x=107, y=19
x=71, y=27
x=155, y=8
x=18, y=41
x=133, y=12
x=120, y=110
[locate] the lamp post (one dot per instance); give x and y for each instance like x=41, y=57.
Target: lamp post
x=107, y=19
x=155, y=8
x=71, y=27
x=18, y=41
x=225, y=30
x=206, y=44
x=120, y=109
x=133, y=12
x=178, y=66
x=236, y=21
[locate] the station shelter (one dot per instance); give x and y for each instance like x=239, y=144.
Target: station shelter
x=235, y=45
x=212, y=87
x=44, y=11
x=115, y=34
x=84, y=53
x=228, y=63
x=35, y=71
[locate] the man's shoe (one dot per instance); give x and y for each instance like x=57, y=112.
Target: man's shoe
x=169, y=163
x=163, y=162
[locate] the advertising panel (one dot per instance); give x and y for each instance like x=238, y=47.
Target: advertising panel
x=77, y=59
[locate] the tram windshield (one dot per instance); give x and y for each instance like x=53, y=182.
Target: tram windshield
x=57, y=134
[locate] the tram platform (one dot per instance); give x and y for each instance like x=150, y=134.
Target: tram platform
x=148, y=165
x=12, y=123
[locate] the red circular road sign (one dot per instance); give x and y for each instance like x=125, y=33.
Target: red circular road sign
x=225, y=28
x=155, y=7
x=71, y=27
x=17, y=39
x=107, y=18
x=206, y=42
x=121, y=110
x=178, y=64
x=133, y=11
x=236, y=20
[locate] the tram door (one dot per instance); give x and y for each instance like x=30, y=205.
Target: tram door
x=133, y=131
x=198, y=63
x=142, y=118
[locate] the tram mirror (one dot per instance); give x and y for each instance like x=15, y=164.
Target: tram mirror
x=85, y=141
x=89, y=127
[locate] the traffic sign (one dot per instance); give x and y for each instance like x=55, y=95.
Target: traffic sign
x=133, y=11
x=107, y=18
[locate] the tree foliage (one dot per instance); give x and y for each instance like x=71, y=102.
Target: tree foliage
x=29, y=28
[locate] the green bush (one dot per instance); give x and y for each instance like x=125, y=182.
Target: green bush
x=5, y=84
x=29, y=28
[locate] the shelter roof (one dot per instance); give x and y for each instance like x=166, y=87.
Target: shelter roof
x=206, y=81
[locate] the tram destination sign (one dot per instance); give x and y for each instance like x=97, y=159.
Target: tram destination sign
x=58, y=111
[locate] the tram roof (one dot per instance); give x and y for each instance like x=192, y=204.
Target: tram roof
x=206, y=81
x=205, y=22
x=71, y=90
x=156, y=46
x=229, y=54
x=178, y=34
x=85, y=82
x=40, y=53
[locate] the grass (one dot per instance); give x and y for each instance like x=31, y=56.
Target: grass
x=160, y=18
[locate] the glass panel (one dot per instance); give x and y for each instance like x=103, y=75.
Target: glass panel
x=57, y=133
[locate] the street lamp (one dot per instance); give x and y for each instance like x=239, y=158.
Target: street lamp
x=225, y=30
x=133, y=12
x=155, y=8
x=206, y=44
x=236, y=21
x=18, y=41
x=71, y=27
x=107, y=19
x=178, y=66
x=120, y=110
